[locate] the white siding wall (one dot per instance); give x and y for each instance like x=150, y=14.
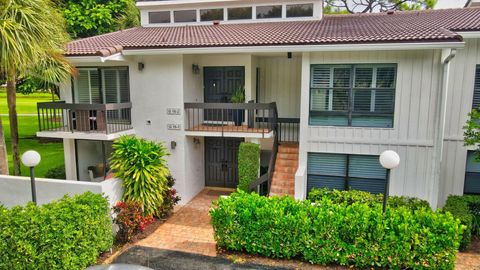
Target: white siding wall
x=462, y=79
x=417, y=91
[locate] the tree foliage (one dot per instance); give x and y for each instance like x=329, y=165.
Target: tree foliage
x=32, y=39
x=472, y=132
x=368, y=6
x=86, y=18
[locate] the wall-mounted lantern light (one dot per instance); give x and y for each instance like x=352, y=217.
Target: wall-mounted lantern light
x=195, y=69
x=141, y=66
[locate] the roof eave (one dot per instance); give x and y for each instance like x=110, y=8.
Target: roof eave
x=389, y=46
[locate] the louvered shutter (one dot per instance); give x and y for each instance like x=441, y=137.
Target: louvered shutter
x=326, y=171
x=476, y=90
x=472, y=175
x=366, y=174
x=110, y=85
x=87, y=87
x=124, y=85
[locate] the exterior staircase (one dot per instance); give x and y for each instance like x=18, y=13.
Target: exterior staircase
x=283, y=182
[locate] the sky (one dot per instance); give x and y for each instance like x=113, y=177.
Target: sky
x=450, y=3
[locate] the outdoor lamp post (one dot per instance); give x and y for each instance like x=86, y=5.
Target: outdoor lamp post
x=389, y=160
x=31, y=159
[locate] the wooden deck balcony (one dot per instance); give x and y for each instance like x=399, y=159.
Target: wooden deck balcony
x=84, y=121
x=255, y=120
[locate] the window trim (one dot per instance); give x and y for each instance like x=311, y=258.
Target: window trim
x=351, y=90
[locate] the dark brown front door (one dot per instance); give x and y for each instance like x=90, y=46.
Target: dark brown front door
x=221, y=162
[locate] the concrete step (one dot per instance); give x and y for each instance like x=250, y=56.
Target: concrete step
x=287, y=163
x=286, y=169
x=288, y=149
x=288, y=156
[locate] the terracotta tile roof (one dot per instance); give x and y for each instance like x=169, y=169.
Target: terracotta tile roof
x=413, y=26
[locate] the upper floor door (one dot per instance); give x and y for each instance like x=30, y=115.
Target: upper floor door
x=220, y=83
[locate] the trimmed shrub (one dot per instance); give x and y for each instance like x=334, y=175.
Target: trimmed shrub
x=325, y=232
x=56, y=173
x=67, y=234
x=355, y=196
x=142, y=166
x=467, y=210
x=248, y=164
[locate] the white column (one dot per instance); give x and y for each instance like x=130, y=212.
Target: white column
x=301, y=176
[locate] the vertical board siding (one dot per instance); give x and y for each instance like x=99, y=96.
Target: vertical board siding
x=280, y=81
x=416, y=97
x=461, y=86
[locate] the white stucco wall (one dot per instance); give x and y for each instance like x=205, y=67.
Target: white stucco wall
x=16, y=191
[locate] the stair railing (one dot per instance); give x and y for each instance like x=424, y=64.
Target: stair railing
x=268, y=176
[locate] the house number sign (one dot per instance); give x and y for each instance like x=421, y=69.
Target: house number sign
x=173, y=111
x=174, y=127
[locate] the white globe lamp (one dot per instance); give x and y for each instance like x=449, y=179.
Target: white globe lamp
x=389, y=160
x=31, y=159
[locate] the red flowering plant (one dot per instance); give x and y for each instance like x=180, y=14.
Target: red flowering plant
x=130, y=220
x=170, y=199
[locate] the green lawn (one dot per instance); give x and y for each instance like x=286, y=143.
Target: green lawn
x=26, y=104
x=52, y=153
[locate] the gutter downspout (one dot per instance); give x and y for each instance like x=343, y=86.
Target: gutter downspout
x=447, y=56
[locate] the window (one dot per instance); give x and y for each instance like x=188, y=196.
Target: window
x=302, y=10
x=159, y=17
x=267, y=12
x=476, y=90
x=343, y=172
x=243, y=13
x=185, y=16
x=211, y=15
x=115, y=85
x=102, y=85
x=87, y=86
x=352, y=95
x=472, y=175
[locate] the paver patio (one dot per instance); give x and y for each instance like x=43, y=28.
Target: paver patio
x=189, y=229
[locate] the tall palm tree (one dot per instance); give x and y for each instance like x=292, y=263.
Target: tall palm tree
x=32, y=39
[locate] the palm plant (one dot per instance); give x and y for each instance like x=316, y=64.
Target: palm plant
x=142, y=166
x=32, y=39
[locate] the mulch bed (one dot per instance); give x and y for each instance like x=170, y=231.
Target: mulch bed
x=107, y=257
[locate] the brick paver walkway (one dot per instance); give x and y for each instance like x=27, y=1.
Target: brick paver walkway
x=189, y=229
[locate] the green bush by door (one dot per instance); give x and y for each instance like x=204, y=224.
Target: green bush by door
x=248, y=164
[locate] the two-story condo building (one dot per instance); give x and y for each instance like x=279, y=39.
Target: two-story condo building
x=325, y=95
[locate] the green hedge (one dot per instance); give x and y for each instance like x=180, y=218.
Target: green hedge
x=325, y=232
x=356, y=196
x=248, y=164
x=67, y=234
x=467, y=210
